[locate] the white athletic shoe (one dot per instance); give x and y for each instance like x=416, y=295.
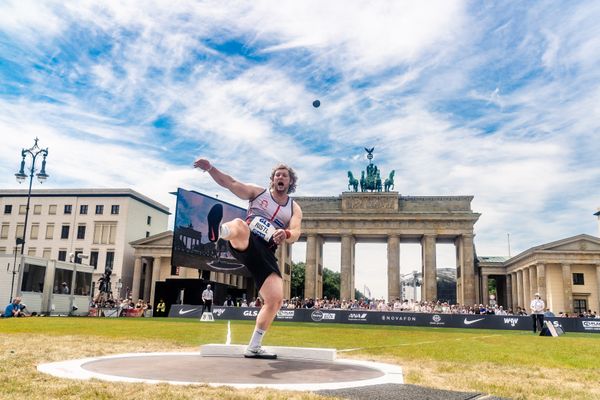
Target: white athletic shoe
x=259, y=353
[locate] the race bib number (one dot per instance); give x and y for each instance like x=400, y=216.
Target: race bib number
x=262, y=228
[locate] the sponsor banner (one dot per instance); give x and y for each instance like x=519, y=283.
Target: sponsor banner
x=324, y=316
x=185, y=311
x=465, y=321
x=285, y=315
x=592, y=325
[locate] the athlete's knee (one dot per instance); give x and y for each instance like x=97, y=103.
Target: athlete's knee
x=238, y=224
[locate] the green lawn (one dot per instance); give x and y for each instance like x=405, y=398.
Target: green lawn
x=514, y=364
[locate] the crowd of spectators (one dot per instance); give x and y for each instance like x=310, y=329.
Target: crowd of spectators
x=125, y=307
x=439, y=307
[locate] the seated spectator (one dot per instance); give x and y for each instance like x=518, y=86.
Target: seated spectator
x=16, y=309
x=229, y=302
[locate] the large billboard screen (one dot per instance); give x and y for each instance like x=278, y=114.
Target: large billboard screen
x=195, y=238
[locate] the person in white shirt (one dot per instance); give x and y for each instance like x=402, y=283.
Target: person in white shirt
x=537, y=312
x=207, y=299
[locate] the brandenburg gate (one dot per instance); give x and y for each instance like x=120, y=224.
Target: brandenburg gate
x=390, y=218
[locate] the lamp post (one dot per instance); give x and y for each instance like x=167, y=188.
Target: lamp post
x=33, y=152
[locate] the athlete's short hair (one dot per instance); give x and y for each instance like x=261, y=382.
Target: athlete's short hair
x=293, y=176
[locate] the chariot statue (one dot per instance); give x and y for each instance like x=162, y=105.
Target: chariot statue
x=370, y=180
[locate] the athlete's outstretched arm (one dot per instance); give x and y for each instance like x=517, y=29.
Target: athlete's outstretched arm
x=244, y=191
x=295, y=226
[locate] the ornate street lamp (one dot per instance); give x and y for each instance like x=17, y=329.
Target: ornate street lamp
x=34, y=152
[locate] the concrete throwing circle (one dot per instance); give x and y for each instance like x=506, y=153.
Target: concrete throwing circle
x=193, y=369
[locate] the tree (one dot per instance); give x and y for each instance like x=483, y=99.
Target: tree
x=331, y=282
x=297, y=279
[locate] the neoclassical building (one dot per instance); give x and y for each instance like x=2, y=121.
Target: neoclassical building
x=566, y=274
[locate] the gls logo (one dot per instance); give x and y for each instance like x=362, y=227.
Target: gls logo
x=250, y=313
x=512, y=321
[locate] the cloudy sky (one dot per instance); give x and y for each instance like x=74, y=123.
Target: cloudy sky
x=499, y=100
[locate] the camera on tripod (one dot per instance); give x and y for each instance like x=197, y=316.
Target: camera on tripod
x=104, y=281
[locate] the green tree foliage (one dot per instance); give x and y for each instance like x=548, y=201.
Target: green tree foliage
x=297, y=280
x=331, y=282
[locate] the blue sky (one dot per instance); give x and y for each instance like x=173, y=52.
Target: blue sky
x=499, y=100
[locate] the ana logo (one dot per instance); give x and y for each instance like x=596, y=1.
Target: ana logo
x=357, y=317
x=285, y=314
x=218, y=311
x=250, y=313
x=511, y=321
x=264, y=204
x=436, y=318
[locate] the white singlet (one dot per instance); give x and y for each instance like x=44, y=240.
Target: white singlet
x=264, y=205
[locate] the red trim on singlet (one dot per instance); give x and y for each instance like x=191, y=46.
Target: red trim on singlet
x=276, y=211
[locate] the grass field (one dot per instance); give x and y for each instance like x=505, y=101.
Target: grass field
x=510, y=364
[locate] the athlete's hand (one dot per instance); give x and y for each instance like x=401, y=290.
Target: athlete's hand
x=279, y=236
x=203, y=164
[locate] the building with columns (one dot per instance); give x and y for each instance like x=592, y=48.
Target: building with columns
x=389, y=218
x=153, y=264
x=566, y=274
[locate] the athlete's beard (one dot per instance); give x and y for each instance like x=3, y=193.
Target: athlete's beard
x=280, y=189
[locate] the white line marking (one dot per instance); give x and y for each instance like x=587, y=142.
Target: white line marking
x=228, y=340
x=408, y=344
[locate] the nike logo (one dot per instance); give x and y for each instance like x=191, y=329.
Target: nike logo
x=182, y=312
x=467, y=322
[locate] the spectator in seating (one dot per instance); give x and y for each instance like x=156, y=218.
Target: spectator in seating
x=64, y=288
x=229, y=302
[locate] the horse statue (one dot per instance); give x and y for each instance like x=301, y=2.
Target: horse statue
x=389, y=182
x=352, y=182
x=378, y=182
x=363, y=182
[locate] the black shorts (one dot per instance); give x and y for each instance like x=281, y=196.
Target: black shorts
x=258, y=258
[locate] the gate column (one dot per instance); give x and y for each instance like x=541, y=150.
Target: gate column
x=393, y=272
x=347, y=268
x=429, y=268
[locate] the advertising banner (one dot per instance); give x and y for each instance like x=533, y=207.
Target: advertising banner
x=195, y=237
x=467, y=321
